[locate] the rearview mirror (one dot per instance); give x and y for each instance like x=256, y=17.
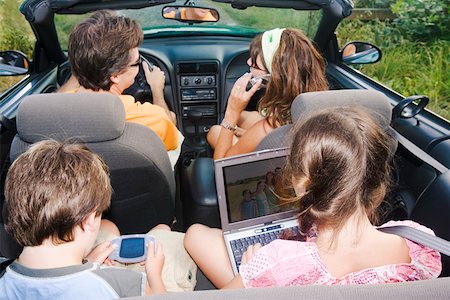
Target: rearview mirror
x=360, y=53
x=193, y=14
x=13, y=63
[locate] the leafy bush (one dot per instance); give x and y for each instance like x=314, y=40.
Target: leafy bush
x=380, y=33
x=373, y=3
x=422, y=20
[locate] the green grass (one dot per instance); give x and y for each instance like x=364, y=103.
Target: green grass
x=414, y=69
x=64, y=25
x=15, y=34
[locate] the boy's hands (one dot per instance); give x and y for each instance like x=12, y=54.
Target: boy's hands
x=100, y=253
x=153, y=267
x=155, y=259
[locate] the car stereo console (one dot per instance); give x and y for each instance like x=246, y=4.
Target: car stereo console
x=197, y=84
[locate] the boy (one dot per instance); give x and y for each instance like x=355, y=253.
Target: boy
x=249, y=209
x=55, y=195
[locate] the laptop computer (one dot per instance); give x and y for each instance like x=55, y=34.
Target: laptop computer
x=250, y=212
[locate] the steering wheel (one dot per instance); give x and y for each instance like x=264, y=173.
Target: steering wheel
x=63, y=73
x=140, y=89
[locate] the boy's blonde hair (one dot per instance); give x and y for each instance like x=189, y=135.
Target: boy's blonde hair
x=52, y=188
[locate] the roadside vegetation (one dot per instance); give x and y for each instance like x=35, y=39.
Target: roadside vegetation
x=15, y=34
x=415, y=44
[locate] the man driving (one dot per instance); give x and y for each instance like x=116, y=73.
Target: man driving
x=104, y=57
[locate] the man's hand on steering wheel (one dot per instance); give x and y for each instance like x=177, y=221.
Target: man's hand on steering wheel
x=156, y=80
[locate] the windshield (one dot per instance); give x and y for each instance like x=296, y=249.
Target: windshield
x=252, y=19
x=246, y=22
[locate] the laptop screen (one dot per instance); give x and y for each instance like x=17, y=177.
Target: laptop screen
x=250, y=189
x=247, y=186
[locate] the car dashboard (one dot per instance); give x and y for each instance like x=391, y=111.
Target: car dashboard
x=200, y=72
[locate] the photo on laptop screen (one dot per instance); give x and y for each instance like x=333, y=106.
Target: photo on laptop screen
x=250, y=189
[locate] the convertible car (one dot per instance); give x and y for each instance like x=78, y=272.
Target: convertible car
x=202, y=57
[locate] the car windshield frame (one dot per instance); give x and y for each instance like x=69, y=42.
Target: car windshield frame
x=232, y=22
x=254, y=19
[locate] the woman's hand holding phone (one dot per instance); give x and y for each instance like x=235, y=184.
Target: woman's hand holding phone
x=239, y=95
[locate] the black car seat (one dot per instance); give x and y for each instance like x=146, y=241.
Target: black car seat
x=433, y=210
x=141, y=175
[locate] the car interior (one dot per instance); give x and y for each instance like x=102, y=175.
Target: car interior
x=200, y=69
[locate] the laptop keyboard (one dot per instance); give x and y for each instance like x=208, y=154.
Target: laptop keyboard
x=239, y=246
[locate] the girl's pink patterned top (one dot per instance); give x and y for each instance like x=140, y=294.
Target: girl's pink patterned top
x=285, y=263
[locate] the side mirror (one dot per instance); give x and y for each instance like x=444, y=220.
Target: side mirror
x=360, y=53
x=190, y=14
x=13, y=63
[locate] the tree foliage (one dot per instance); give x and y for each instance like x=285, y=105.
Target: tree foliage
x=422, y=20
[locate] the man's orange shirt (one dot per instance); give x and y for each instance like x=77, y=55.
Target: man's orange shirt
x=152, y=116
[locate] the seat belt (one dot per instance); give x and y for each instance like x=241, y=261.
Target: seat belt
x=4, y=264
x=416, y=151
x=419, y=237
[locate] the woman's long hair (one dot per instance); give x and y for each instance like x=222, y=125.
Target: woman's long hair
x=297, y=67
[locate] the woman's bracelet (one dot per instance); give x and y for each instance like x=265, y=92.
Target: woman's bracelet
x=226, y=125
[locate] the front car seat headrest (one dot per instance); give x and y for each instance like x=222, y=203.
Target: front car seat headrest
x=306, y=104
x=89, y=117
x=376, y=102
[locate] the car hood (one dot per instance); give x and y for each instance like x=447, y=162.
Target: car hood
x=162, y=31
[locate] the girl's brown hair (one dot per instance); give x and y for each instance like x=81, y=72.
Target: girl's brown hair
x=342, y=159
x=297, y=67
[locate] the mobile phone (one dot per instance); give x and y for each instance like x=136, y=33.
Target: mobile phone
x=264, y=78
x=131, y=248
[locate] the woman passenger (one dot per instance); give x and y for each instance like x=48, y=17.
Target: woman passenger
x=261, y=199
x=289, y=63
x=269, y=188
x=339, y=167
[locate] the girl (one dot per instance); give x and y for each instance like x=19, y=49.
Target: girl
x=339, y=169
x=261, y=199
x=269, y=188
x=290, y=64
